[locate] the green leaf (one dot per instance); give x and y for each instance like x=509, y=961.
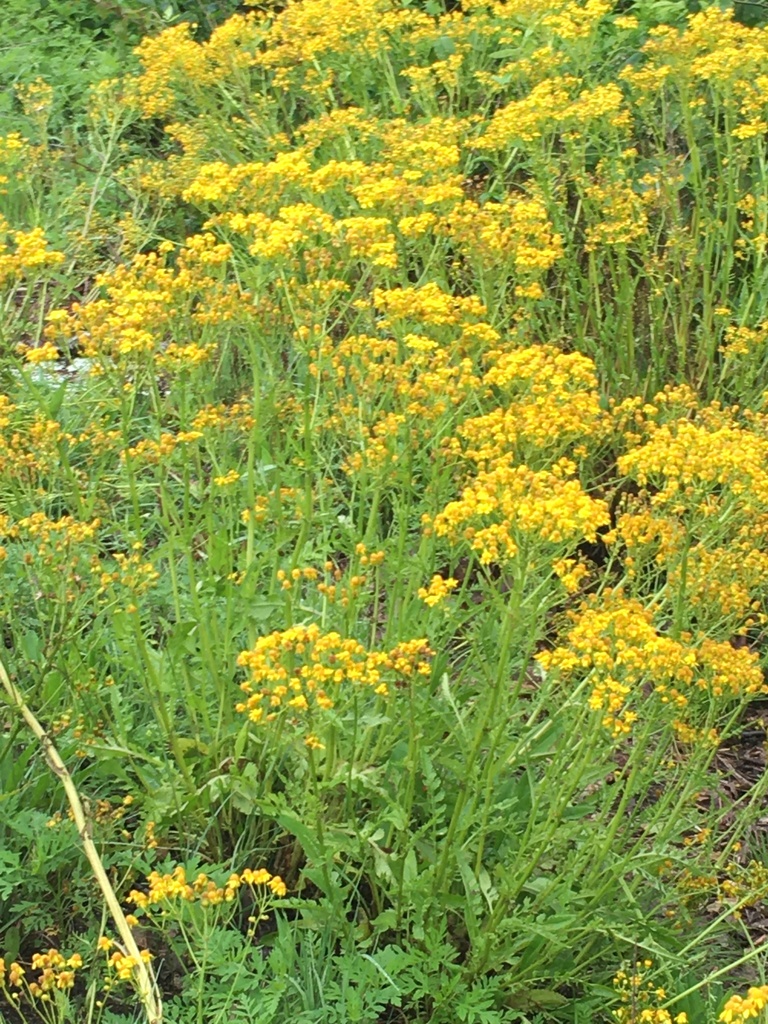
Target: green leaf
x=410, y=867
x=386, y=920
x=12, y=942
x=306, y=837
x=537, y=999
x=240, y=741
x=31, y=645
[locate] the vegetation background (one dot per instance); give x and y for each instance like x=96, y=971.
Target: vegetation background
x=384, y=509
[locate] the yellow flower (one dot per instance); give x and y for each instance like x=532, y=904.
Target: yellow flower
x=615, y=642
x=226, y=479
x=303, y=669
x=743, y=1008
x=438, y=590
x=45, y=353
x=501, y=506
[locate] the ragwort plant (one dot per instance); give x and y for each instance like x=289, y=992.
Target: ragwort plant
x=384, y=501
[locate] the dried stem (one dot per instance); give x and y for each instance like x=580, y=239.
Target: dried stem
x=143, y=976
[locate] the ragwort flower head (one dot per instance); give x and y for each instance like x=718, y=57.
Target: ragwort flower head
x=302, y=671
x=507, y=507
x=687, y=460
x=616, y=643
x=552, y=402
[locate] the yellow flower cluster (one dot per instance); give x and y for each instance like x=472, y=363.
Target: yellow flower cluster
x=647, y=536
x=179, y=357
x=59, y=533
x=714, y=57
x=146, y=300
x=166, y=888
x=237, y=416
x=227, y=479
x=124, y=965
x=56, y=972
x=23, y=252
x=149, y=451
x=131, y=573
x=422, y=380
x=571, y=573
x=13, y=972
x=620, y=216
x=15, y=155
x=287, y=579
x=428, y=304
x=713, y=47
x=689, y=460
x=515, y=231
x=640, y=998
x=45, y=353
x=552, y=401
x=726, y=580
x=753, y=210
x=437, y=591
x=172, y=61
x=736, y=884
x=615, y=643
x=577, y=20
x=555, y=105
x=275, y=506
x=302, y=669
x=304, y=32
x=345, y=587
x=740, y=340
x=739, y=1009
x=723, y=577
x=504, y=508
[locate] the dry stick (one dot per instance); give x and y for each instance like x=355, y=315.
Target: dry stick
x=145, y=981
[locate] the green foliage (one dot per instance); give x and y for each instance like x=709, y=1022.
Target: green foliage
x=74, y=44
x=282, y=333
